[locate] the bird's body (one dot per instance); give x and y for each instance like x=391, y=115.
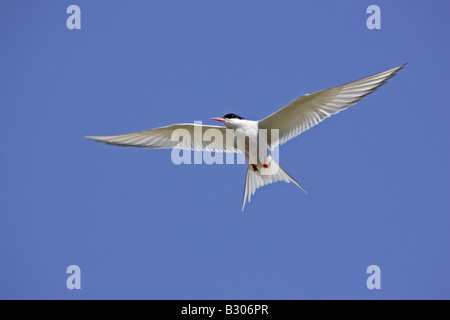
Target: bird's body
x=255, y=139
x=245, y=129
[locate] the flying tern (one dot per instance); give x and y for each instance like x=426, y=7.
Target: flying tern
x=290, y=121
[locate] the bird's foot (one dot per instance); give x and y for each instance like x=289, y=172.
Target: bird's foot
x=255, y=168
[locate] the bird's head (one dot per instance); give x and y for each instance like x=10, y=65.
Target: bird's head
x=230, y=119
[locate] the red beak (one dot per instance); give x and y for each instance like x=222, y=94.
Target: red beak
x=219, y=119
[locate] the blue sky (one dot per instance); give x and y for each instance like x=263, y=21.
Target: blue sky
x=140, y=227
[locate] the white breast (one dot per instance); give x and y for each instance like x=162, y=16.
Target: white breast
x=246, y=133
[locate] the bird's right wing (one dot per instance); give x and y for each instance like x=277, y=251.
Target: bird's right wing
x=186, y=136
x=308, y=110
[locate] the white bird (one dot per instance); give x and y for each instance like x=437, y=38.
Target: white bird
x=290, y=121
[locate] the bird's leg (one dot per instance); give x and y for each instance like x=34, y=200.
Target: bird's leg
x=265, y=164
x=255, y=168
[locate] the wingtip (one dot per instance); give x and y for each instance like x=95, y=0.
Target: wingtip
x=400, y=67
x=95, y=138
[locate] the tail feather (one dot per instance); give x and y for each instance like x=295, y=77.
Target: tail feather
x=263, y=176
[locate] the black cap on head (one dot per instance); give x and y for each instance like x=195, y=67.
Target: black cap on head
x=232, y=116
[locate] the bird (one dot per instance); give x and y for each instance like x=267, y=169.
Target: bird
x=289, y=122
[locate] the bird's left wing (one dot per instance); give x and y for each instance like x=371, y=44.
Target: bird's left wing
x=308, y=110
x=186, y=136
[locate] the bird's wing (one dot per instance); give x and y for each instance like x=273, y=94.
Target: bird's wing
x=181, y=136
x=308, y=110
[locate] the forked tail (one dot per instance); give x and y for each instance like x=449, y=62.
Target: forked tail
x=259, y=176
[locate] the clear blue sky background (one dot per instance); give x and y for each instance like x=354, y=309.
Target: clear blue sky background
x=377, y=175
